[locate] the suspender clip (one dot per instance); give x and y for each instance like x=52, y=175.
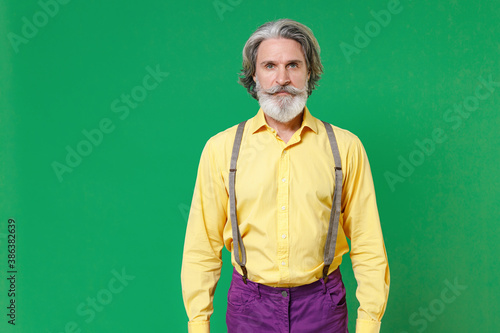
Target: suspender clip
x=244, y=269
x=325, y=272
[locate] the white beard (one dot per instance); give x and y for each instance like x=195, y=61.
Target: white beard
x=281, y=108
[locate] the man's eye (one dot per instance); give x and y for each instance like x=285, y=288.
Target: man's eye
x=293, y=65
x=269, y=65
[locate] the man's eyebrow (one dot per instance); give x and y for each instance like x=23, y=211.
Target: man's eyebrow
x=272, y=62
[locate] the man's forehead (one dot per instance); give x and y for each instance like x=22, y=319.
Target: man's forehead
x=281, y=49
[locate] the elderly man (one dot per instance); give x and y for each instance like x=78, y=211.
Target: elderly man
x=282, y=191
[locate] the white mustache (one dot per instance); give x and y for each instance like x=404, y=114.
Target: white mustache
x=277, y=89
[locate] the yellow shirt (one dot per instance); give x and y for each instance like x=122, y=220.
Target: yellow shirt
x=284, y=196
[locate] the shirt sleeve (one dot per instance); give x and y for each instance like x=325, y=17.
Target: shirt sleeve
x=368, y=253
x=201, y=263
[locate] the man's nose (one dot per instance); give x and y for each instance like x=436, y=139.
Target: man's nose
x=283, y=77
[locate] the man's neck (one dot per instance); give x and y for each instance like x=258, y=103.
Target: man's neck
x=290, y=126
x=285, y=130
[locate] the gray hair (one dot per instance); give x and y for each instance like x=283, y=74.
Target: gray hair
x=284, y=28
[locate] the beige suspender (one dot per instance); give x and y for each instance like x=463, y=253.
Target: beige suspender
x=237, y=241
x=331, y=238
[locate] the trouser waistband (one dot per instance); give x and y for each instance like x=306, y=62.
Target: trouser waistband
x=333, y=279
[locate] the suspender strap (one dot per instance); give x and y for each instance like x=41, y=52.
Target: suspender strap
x=331, y=238
x=237, y=241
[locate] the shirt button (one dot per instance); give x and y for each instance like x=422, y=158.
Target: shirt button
x=283, y=263
x=284, y=293
x=283, y=236
x=283, y=180
x=284, y=151
x=283, y=207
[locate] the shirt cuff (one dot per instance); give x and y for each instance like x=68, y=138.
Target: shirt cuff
x=202, y=326
x=367, y=326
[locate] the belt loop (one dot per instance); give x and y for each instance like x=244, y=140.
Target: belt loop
x=258, y=289
x=324, y=285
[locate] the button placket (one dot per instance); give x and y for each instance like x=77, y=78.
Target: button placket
x=283, y=214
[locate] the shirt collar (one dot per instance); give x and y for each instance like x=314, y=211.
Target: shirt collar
x=259, y=121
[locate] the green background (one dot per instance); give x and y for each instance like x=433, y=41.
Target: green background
x=125, y=206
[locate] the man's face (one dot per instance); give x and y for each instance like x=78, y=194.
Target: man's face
x=281, y=78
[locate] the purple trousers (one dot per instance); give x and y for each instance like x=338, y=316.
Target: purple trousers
x=316, y=307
